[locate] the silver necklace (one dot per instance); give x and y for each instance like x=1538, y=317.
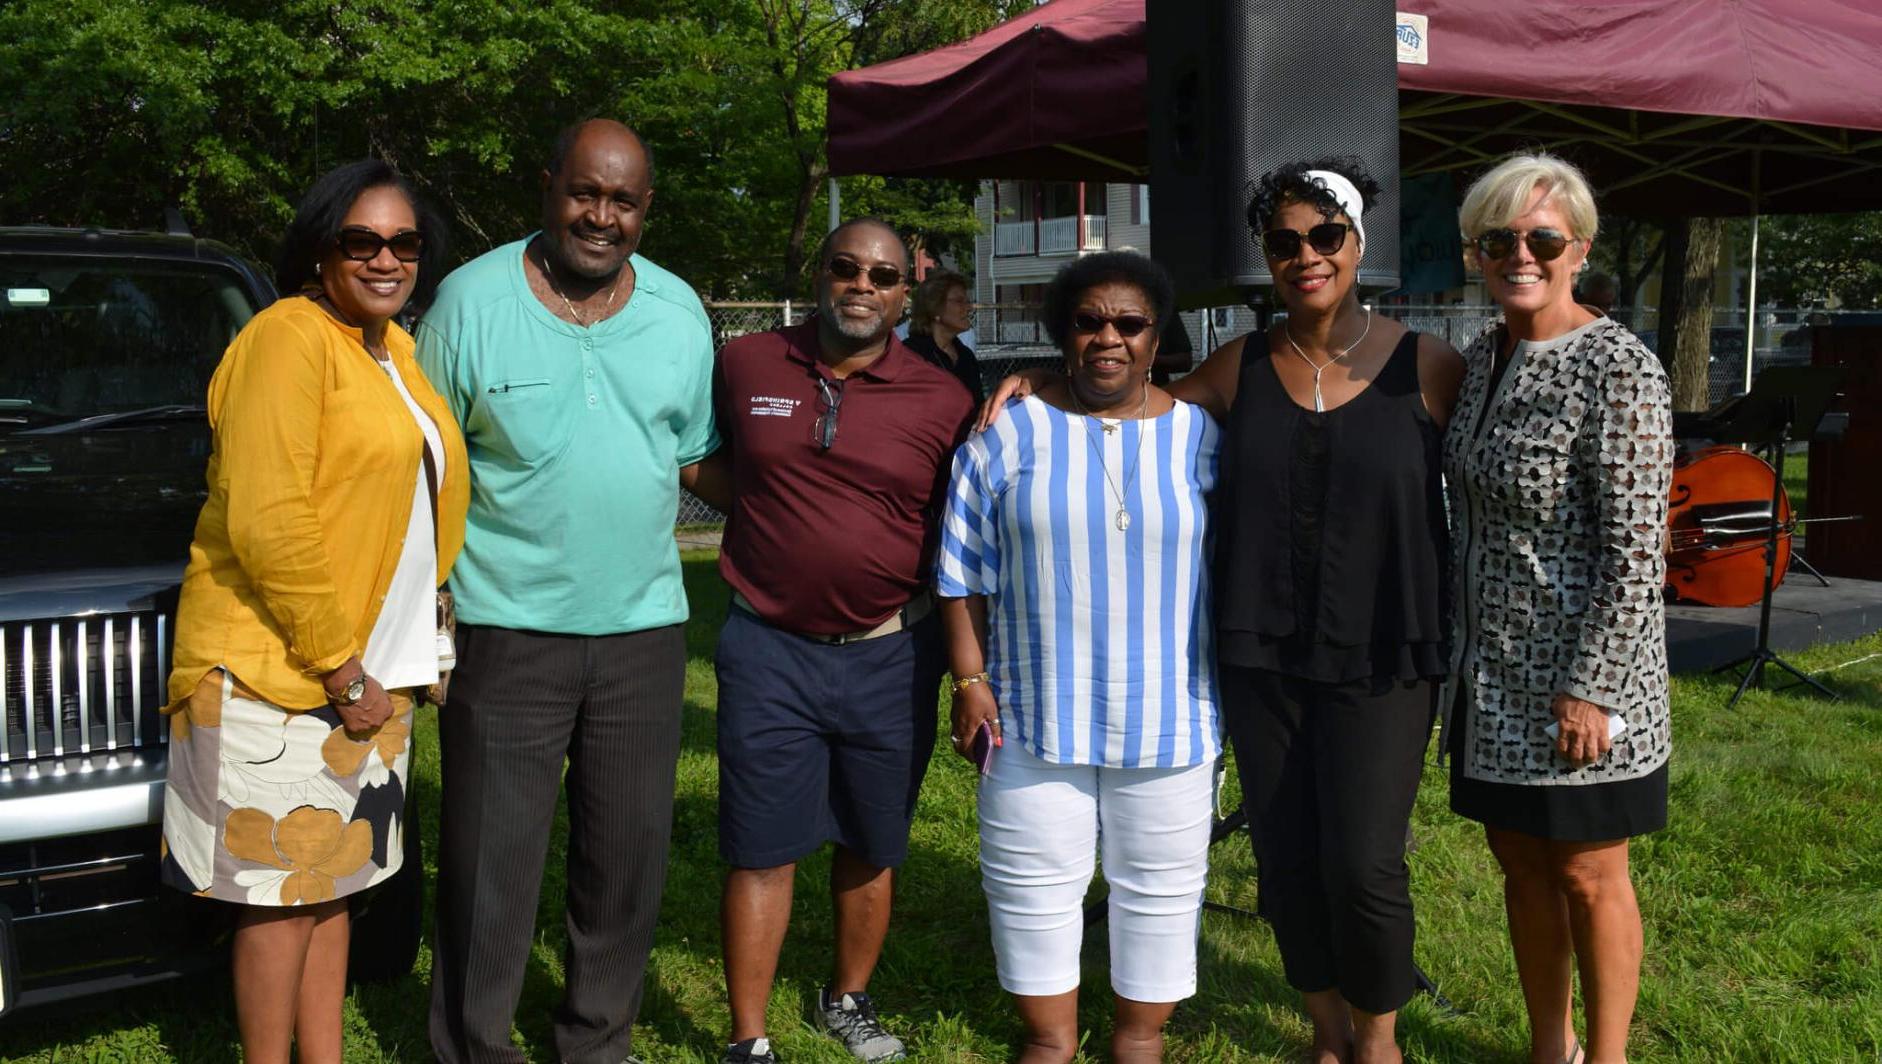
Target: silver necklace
x=1122, y=519
x=549, y=272
x=1319, y=404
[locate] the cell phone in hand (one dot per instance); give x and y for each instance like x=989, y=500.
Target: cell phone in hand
x=980, y=750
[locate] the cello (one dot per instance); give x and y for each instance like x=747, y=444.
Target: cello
x=1718, y=519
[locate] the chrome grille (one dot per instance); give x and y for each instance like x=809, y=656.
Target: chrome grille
x=82, y=685
x=78, y=873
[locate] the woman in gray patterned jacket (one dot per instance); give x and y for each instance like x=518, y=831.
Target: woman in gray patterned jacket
x=1557, y=460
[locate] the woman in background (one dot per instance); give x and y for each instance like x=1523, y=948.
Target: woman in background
x=942, y=311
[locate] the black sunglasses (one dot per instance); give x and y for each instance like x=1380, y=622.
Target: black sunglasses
x=363, y=245
x=849, y=269
x=1127, y=325
x=829, y=397
x=1326, y=238
x=1545, y=244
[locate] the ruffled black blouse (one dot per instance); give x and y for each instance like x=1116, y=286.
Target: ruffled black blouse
x=1331, y=539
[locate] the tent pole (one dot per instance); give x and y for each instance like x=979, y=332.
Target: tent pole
x=1751, y=303
x=1751, y=293
x=836, y=205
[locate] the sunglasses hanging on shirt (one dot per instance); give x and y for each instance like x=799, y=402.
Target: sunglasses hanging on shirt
x=829, y=398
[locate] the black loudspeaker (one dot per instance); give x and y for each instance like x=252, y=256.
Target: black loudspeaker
x=1239, y=87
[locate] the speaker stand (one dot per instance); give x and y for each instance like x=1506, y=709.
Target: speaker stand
x=1762, y=655
x=1798, y=559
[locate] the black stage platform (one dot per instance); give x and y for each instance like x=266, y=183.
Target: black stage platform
x=1803, y=614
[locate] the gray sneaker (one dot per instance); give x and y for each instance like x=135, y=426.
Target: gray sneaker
x=851, y=1020
x=750, y=1051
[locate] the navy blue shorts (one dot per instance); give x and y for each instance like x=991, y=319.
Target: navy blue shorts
x=821, y=743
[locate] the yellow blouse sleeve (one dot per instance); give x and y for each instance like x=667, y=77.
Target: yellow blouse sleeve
x=265, y=406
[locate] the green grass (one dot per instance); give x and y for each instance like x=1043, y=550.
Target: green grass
x=1762, y=900
x=1797, y=482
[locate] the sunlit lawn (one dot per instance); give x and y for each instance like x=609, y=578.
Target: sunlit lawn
x=1763, y=906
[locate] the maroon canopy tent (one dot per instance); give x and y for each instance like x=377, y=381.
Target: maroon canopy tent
x=1672, y=106
x=1055, y=94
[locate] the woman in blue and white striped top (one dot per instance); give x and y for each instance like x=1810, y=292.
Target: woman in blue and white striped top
x=1075, y=589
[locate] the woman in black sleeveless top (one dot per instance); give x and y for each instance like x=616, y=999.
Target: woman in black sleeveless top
x=1329, y=572
x=1330, y=548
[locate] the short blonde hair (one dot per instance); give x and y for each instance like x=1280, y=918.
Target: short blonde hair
x=929, y=295
x=1499, y=196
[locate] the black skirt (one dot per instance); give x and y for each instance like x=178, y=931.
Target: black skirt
x=1589, y=812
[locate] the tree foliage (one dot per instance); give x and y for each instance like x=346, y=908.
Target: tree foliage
x=1628, y=250
x=1820, y=260
x=229, y=108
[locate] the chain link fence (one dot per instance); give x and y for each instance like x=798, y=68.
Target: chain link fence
x=1008, y=337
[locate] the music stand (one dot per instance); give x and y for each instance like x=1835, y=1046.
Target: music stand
x=1784, y=403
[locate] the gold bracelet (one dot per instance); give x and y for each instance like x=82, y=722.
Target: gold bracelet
x=964, y=682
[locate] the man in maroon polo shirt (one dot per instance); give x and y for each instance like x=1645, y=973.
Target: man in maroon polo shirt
x=839, y=440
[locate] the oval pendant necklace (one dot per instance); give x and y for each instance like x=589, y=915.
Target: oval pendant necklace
x=1319, y=404
x=1122, y=519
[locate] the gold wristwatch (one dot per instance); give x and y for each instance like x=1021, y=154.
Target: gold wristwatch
x=354, y=691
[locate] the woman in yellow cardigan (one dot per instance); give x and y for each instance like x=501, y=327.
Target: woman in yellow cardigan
x=337, y=494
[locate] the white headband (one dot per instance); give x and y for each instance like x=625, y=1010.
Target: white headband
x=1347, y=197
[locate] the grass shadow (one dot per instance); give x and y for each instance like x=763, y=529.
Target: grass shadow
x=155, y=1020
x=395, y=1013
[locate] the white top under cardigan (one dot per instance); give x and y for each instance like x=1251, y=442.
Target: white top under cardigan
x=403, y=648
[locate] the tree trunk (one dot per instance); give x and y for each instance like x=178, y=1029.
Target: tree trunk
x=1672, y=289
x=796, y=248
x=1685, y=327
x=1692, y=359
x=1627, y=236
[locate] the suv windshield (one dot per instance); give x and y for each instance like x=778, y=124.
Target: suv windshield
x=82, y=336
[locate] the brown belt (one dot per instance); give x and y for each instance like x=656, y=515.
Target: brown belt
x=908, y=616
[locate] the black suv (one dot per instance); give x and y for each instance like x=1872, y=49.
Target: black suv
x=107, y=343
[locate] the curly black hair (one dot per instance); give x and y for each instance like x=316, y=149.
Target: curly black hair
x=316, y=226
x=1290, y=184
x=1123, y=267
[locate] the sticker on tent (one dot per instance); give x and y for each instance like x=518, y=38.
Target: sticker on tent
x=1414, y=40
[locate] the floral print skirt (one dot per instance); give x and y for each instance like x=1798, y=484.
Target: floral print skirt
x=268, y=806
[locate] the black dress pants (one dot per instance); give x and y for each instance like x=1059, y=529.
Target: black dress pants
x=521, y=704
x=1328, y=774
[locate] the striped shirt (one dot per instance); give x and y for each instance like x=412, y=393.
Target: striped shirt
x=1100, y=646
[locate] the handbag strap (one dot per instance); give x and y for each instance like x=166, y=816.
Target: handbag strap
x=431, y=484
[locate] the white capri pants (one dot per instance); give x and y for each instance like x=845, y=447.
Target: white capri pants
x=1040, y=827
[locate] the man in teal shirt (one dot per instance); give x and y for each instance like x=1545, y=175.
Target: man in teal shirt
x=581, y=374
